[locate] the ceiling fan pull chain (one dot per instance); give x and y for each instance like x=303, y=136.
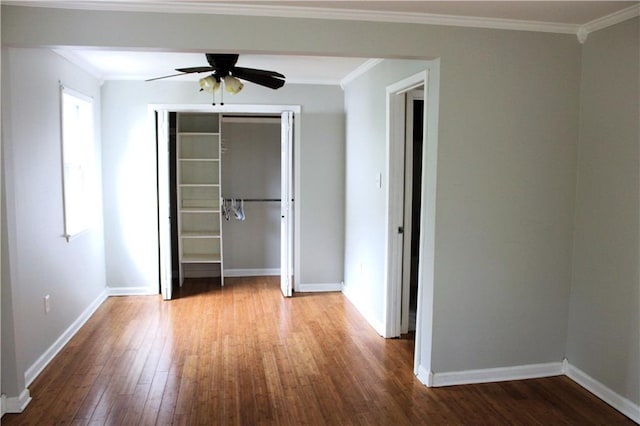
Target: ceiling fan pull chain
x=222, y=91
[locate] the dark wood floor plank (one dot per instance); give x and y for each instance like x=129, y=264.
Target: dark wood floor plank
x=243, y=354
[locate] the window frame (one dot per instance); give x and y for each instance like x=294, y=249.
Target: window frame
x=76, y=200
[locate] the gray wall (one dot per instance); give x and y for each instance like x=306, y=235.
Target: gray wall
x=251, y=169
x=130, y=195
x=604, y=326
x=40, y=261
x=506, y=185
x=508, y=135
x=506, y=167
x=366, y=202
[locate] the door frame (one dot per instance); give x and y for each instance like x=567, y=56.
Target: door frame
x=234, y=109
x=429, y=79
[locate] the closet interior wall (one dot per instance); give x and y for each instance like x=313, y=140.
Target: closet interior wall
x=251, y=171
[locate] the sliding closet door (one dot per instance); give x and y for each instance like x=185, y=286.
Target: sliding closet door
x=286, y=205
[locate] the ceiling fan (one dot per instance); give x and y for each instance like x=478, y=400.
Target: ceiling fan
x=224, y=72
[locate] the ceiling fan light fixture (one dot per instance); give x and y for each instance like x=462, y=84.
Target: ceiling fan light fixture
x=209, y=84
x=232, y=84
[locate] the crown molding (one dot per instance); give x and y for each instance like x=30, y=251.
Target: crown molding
x=607, y=21
x=77, y=60
x=195, y=7
x=174, y=6
x=366, y=66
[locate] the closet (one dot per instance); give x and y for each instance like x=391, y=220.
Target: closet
x=225, y=184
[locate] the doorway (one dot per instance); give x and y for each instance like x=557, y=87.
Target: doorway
x=414, y=120
x=422, y=227
x=166, y=214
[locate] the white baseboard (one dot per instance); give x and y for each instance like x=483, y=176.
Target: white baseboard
x=425, y=376
x=318, y=287
x=44, y=359
x=617, y=401
x=132, y=291
x=15, y=404
x=255, y=272
x=501, y=374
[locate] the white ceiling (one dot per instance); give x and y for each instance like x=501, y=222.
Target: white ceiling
x=554, y=16
x=134, y=65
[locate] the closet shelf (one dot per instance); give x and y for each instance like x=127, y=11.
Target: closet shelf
x=199, y=221
x=200, y=258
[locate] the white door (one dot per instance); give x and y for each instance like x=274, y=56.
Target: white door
x=286, y=205
x=164, y=204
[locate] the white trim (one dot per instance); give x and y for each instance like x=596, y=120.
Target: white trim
x=395, y=145
x=424, y=376
x=312, y=13
x=429, y=79
x=500, y=374
x=533, y=371
x=15, y=404
x=366, y=66
x=44, y=359
x=132, y=291
x=607, y=21
x=617, y=401
x=226, y=108
x=318, y=287
x=253, y=272
x=581, y=31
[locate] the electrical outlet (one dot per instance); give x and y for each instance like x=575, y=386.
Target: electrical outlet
x=47, y=304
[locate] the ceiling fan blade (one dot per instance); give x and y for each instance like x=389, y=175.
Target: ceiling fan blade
x=183, y=71
x=254, y=71
x=195, y=69
x=165, y=76
x=258, y=78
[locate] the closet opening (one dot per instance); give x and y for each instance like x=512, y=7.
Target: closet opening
x=225, y=197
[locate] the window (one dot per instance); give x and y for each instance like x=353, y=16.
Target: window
x=77, y=146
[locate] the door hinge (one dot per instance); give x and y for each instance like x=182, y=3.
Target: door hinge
x=400, y=230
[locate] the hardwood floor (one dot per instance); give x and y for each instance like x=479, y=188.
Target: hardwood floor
x=242, y=354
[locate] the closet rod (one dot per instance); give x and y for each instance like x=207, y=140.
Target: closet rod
x=256, y=199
